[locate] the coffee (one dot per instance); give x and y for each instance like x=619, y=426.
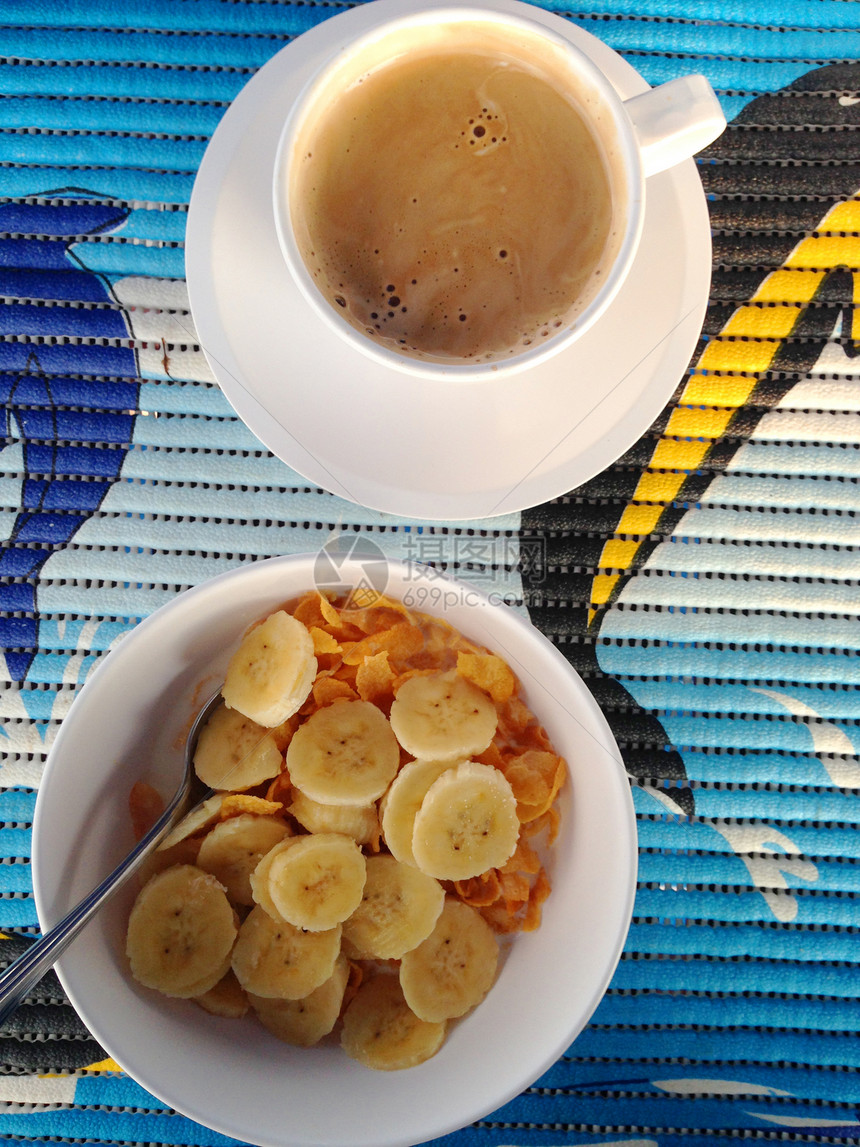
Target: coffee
x=452, y=202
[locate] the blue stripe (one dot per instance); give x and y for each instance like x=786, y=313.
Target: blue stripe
x=59, y=284
x=61, y=359
x=14, y=842
x=69, y=392
x=52, y=667
x=185, y=398
x=759, y=804
x=800, y=14
x=119, y=184
x=760, y=767
x=256, y=18
x=227, y=48
x=578, y=1075
x=116, y=81
x=115, y=1091
x=689, y=660
x=56, y=635
x=17, y=805
x=98, y=462
x=829, y=840
x=191, y=15
x=171, y=155
x=720, y=40
x=46, y=254
x=654, y=1111
x=17, y=877
x=785, y=977
x=151, y=224
x=721, y=1045
x=70, y=322
x=739, y=1010
x=714, y=870
x=741, y=907
x=73, y=426
x=60, y=114
x=674, y=628
x=741, y=75
x=18, y=912
x=120, y=259
x=741, y=732
x=742, y=941
x=119, y=1125
x=184, y=49
x=59, y=219
x=829, y=704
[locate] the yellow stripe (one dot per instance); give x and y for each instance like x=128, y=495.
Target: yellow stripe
x=618, y=553
x=681, y=455
x=640, y=520
x=693, y=422
x=754, y=356
x=826, y=251
x=707, y=402
x=716, y=390
x=602, y=586
x=104, y=1065
x=843, y=217
x=658, y=486
x=771, y=322
x=789, y=286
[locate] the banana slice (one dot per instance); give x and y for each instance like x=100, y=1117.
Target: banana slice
x=271, y=673
x=278, y=960
x=442, y=716
x=403, y=800
x=398, y=910
x=180, y=931
x=228, y=998
x=233, y=752
x=382, y=1032
x=316, y=882
x=305, y=1022
x=233, y=849
x=345, y=753
x=183, y=852
x=361, y=822
x=454, y=968
x=467, y=823
x=259, y=880
x=201, y=816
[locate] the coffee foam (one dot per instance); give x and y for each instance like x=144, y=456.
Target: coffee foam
x=453, y=204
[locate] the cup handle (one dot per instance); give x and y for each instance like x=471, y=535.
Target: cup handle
x=674, y=121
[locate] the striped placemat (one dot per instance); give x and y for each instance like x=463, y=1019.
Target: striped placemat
x=705, y=585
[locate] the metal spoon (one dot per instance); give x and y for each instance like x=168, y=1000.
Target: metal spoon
x=24, y=972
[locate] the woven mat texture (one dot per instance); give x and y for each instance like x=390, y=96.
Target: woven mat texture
x=705, y=585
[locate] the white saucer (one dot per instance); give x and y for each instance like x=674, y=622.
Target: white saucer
x=420, y=449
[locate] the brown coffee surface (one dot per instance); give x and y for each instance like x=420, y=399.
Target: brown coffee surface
x=453, y=205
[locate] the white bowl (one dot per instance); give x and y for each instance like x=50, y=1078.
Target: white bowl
x=230, y=1075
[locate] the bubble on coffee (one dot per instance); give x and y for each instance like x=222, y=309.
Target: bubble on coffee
x=454, y=204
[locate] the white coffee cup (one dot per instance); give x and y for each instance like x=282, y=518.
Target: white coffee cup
x=637, y=137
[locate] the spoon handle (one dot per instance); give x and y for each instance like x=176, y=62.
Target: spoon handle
x=28, y=969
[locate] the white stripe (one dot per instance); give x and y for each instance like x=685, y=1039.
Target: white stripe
x=722, y=593
x=716, y=1087
x=37, y=1089
x=834, y=748
x=755, y=559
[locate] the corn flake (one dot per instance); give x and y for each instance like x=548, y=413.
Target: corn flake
x=489, y=673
